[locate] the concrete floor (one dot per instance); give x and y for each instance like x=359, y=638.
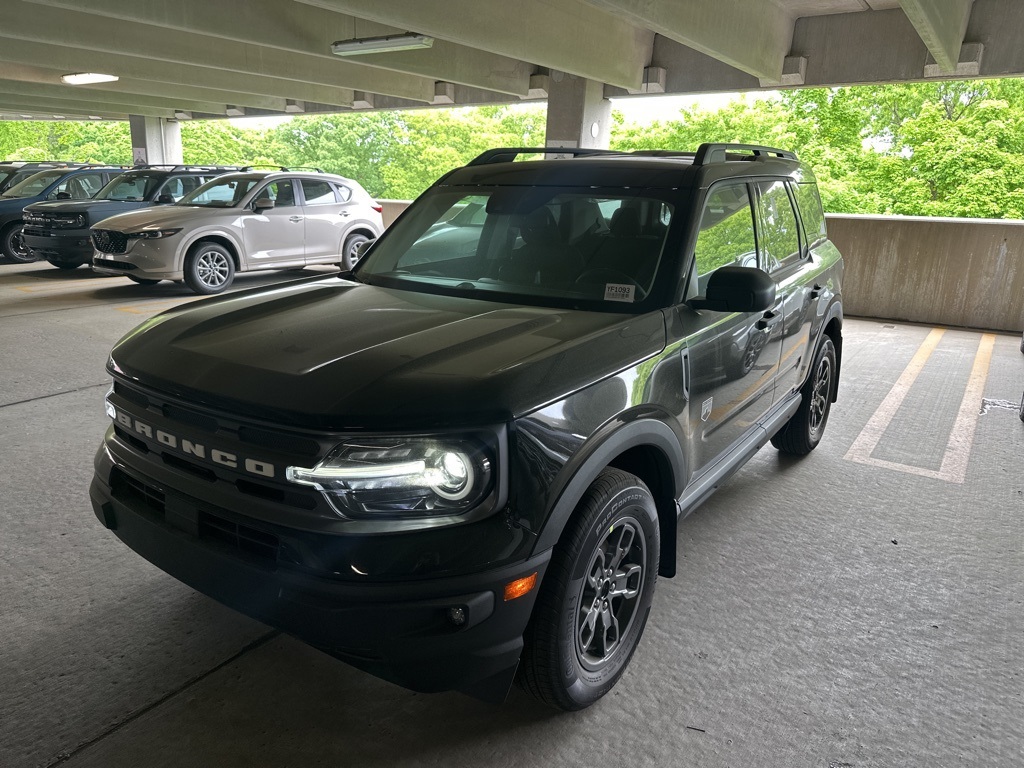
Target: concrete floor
x=863, y=606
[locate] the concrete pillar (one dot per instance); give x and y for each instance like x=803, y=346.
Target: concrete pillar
x=578, y=113
x=155, y=140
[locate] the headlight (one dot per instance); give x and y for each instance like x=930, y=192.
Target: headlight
x=154, y=234
x=404, y=477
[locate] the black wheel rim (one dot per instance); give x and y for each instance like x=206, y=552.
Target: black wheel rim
x=16, y=242
x=820, y=392
x=212, y=268
x=610, y=593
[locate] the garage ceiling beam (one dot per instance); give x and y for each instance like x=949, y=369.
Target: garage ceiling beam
x=86, y=32
x=306, y=29
x=18, y=103
x=754, y=36
x=67, y=59
x=941, y=25
x=112, y=100
x=567, y=35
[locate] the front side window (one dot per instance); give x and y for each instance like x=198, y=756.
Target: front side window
x=179, y=186
x=317, y=192
x=780, y=236
x=282, y=192
x=726, y=236
x=80, y=186
x=34, y=184
x=541, y=245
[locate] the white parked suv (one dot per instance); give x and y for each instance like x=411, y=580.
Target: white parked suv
x=240, y=222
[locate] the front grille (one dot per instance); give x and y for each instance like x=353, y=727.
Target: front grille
x=124, y=487
x=36, y=219
x=278, y=441
x=109, y=241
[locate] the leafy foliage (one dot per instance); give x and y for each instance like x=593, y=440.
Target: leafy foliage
x=935, y=149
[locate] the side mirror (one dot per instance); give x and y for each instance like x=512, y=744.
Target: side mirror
x=737, y=289
x=165, y=198
x=262, y=204
x=62, y=196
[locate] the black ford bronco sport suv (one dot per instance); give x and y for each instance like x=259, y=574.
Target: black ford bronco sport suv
x=58, y=230
x=464, y=462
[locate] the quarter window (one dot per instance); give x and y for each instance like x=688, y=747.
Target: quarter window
x=811, y=212
x=780, y=236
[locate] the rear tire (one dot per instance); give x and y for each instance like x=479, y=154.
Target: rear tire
x=209, y=268
x=350, y=257
x=802, y=433
x=595, y=597
x=13, y=244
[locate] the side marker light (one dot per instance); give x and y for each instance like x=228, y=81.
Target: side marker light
x=520, y=587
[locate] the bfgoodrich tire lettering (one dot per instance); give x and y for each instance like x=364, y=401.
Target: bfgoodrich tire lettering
x=596, y=596
x=802, y=433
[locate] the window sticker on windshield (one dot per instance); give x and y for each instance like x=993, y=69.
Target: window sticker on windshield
x=618, y=292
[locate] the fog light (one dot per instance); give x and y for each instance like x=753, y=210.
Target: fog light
x=110, y=409
x=520, y=587
x=457, y=616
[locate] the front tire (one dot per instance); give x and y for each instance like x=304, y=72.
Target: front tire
x=13, y=245
x=802, y=433
x=596, y=596
x=209, y=268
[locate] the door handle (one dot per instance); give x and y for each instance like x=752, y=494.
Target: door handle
x=816, y=291
x=294, y=218
x=345, y=214
x=762, y=324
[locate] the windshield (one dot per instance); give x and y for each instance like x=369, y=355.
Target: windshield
x=592, y=248
x=33, y=183
x=221, y=192
x=133, y=187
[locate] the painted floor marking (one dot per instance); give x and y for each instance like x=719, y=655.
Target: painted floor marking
x=961, y=438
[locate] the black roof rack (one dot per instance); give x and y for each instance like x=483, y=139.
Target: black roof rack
x=184, y=167
x=508, y=154
x=716, y=153
x=282, y=168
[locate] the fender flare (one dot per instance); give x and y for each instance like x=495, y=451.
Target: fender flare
x=595, y=455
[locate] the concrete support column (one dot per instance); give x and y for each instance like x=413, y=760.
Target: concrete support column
x=155, y=140
x=578, y=113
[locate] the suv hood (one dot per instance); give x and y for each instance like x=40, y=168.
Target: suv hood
x=84, y=206
x=164, y=214
x=338, y=355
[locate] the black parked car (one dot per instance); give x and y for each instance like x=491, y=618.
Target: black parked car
x=456, y=470
x=73, y=182
x=58, y=230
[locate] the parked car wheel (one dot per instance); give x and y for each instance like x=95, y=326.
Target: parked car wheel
x=209, y=268
x=1022, y=343
x=596, y=596
x=350, y=252
x=142, y=280
x=802, y=433
x=13, y=244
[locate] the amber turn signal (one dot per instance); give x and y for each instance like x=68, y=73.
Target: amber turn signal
x=520, y=587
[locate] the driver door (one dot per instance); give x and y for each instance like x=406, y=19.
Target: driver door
x=275, y=237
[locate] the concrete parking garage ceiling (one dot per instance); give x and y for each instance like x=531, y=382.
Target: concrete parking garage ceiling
x=200, y=59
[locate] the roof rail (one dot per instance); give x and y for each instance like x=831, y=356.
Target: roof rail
x=716, y=153
x=185, y=167
x=508, y=154
x=264, y=166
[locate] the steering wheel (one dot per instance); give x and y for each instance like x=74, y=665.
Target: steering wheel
x=609, y=275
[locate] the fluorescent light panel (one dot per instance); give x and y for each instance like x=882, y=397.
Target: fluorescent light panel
x=87, y=78
x=360, y=45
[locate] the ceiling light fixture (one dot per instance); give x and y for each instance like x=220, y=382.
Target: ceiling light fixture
x=360, y=45
x=87, y=78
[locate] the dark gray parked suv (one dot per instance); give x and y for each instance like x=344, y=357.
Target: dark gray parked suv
x=464, y=464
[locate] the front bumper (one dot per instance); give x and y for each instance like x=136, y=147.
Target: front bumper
x=69, y=246
x=148, y=260
x=399, y=631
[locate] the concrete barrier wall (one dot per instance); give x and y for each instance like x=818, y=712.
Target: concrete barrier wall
x=957, y=272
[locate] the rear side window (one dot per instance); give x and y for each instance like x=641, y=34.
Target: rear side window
x=179, y=186
x=811, y=213
x=317, y=192
x=780, y=236
x=344, y=193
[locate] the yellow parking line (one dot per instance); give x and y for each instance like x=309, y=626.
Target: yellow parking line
x=961, y=438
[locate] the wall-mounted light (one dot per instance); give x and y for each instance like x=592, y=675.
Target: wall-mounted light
x=360, y=45
x=87, y=78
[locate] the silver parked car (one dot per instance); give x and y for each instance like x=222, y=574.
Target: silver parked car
x=240, y=222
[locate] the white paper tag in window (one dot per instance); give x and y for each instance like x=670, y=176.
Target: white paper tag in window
x=618, y=292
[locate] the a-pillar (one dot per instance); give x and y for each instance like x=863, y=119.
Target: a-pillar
x=578, y=113
x=155, y=140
